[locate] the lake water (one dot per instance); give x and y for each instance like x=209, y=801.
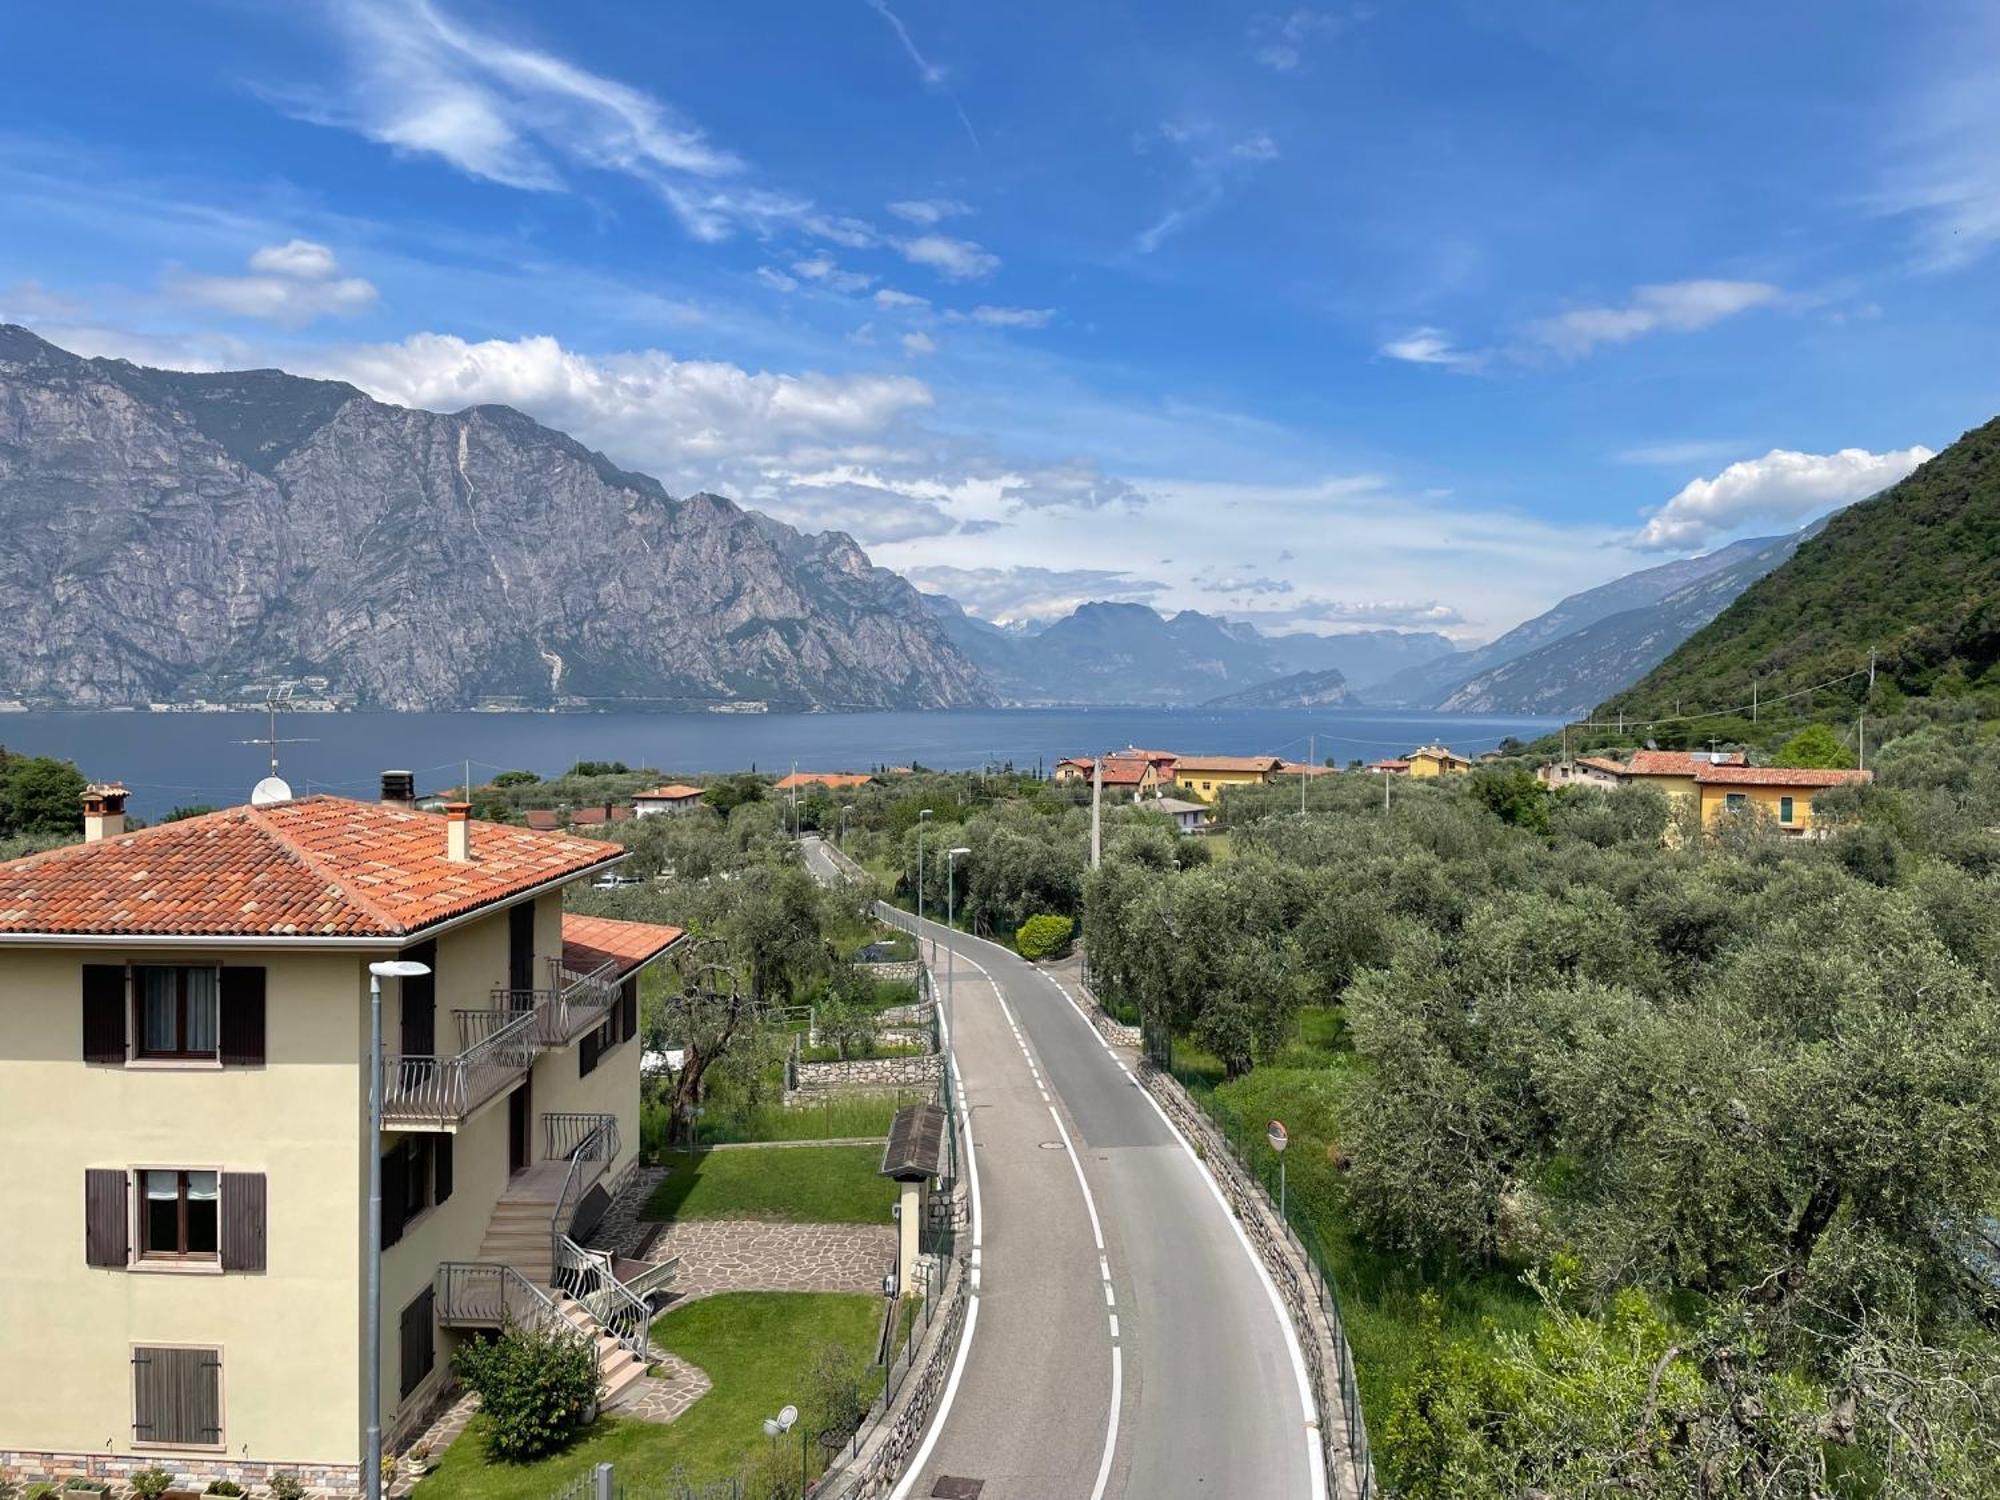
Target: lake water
x=169, y=759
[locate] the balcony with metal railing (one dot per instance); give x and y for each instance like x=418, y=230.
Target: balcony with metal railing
x=439, y=1093
x=571, y=1004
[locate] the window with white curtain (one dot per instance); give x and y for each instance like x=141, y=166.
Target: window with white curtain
x=179, y=1009
x=178, y=1215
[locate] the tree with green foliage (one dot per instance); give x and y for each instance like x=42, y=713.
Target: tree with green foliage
x=526, y=778
x=40, y=796
x=599, y=768
x=1814, y=748
x=726, y=794
x=536, y=1389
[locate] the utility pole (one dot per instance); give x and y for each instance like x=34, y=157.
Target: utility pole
x=922, y=815
x=1753, y=700
x=1096, y=810
x=1312, y=749
x=1861, y=741
x=1871, y=669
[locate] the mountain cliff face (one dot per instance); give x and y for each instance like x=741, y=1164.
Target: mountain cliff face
x=1460, y=681
x=174, y=535
x=1326, y=689
x=1571, y=673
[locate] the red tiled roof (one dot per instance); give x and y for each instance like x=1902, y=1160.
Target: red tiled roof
x=1125, y=772
x=316, y=867
x=678, y=792
x=1674, y=762
x=1602, y=763
x=1775, y=776
x=1200, y=763
x=596, y=817
x=1305, y=768
x=590, y=942
x=542, y=820
x=823, y=778
x=1388, y=765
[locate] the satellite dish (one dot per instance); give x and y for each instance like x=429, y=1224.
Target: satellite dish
x=787, y=1418
x=270, y=789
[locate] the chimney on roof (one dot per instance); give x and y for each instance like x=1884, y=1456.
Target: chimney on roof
x=458, y=832
x=103, y=811
x=399, y=789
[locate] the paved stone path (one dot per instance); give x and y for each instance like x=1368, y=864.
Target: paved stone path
x=662, y=1397
x=747, y=1255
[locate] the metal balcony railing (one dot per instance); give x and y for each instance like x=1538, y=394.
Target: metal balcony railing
x=495, y=1048
x=570, y=1005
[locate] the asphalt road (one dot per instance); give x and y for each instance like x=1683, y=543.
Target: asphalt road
x=1125, y=1341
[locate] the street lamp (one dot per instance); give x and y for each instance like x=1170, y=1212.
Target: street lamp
x=952, y=857
x=371, y=1438
x=920, y=887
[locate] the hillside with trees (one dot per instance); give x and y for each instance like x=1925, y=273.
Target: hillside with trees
x=1912, y=575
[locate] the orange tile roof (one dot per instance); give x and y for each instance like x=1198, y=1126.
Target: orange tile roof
x=1674, y=762
x=1775, y=776
x=590, y=942
x=678, y=792
x=1602, y=763
x=316, y=867
x=1200, y=763
x=1388, y=765
x=822, y=778
x=542, y=819
x=1305, y=768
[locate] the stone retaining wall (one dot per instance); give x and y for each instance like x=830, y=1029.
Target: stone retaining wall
x=888, y=1448
x=27, y=1466
x=864, y=1075
x=902, y=969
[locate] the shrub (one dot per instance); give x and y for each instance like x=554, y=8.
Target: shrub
x=287, y=1487
x=150, y=1482
x=1044, y=937
x=224, y=1487
x=536, y=1389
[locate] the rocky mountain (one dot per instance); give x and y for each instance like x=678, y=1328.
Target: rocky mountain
x=1434, y=684
x=172, y=535
x=1326, y=689
x=1103, y=654
x=1911, y=576
x=1569, y=674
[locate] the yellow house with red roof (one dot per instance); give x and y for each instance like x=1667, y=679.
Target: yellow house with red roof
x=186, y=1109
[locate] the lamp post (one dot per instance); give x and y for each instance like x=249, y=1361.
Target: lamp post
x=921, y=818
x=845, y=812
x=371, y=1436
x=952, y=857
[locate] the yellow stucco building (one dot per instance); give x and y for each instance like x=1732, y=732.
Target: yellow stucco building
x=1718, y=783
x=185, y=1103
x=1435, y=760
x=1209, y=776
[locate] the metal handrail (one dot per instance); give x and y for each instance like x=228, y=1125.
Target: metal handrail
x=489, y=1293
x=564, y=1011
x=564, y=1130
x=450, y=1088
x=566, y=980
x=588, y=1160
x=588, y=1277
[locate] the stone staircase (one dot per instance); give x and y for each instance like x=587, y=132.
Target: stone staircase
x=618, y=1369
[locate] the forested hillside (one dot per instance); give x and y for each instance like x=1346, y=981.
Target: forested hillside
x=1912, y=575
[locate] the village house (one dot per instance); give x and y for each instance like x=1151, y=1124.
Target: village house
x=1434, y=760
x=1189, y=817
x=185, y=1100
x=832, y=780
x=1390, y=767
x=678, y=798
x=1209, y=776
x=1713, y=782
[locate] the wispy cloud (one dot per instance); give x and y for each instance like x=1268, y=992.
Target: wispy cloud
x=1214, y=159
x=1279, y=41
x=1007, y=317
x=1671, y=307
x=426, y=84
x=934, y=77
x=1005, y=595
x=823, y=270
x=953, y=259
x=1433, y=346
x=891, y=300
x=1782, y=486
x=292, y=283
x=1690, y=451
x=918, y=343
x=928, y=212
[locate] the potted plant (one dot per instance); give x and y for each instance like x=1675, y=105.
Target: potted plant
x=151, y=1484
x=80, y=1484
x=224, y=1487
x=419, y=1459
x=287, y=1487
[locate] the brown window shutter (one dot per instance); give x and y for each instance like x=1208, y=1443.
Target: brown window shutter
x=104, y=1013
x=243, y=1220
x=176, y=1395
x=107, y=1220
x=587, y=1050
x=628, y=1009
x=243, y=1016
x=395, y=1187
x=418, y=1351
x=441, y=1170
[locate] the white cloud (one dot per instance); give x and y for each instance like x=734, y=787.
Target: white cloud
x=292, y=283
x=889, y=300
x=425, y=84
x=1692, y=451
x=1279, y=41
x=822, y=269
x=1782, y=486
x=1672, y=307
x=1004, y=595
x=1941, y=163
x=1215, y=159
x=1007, y=317
x=1258, y=147
x=772, y=277
x=953, y=259
x=919, y=343
x=673, y=417
x=934, y=76
x=1433, y=346
x=928, y=212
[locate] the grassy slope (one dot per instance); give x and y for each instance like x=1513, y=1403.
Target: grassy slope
x=798, y=1184
x=757, y=1348
x=1914, y=573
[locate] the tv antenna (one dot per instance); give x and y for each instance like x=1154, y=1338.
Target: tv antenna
x=273, y=788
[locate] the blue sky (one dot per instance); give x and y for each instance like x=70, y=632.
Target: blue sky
x=1415, y=314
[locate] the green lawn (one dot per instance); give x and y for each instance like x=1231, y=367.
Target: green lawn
x=797, y=1184
x=757, y=1348
x=849, y=1115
